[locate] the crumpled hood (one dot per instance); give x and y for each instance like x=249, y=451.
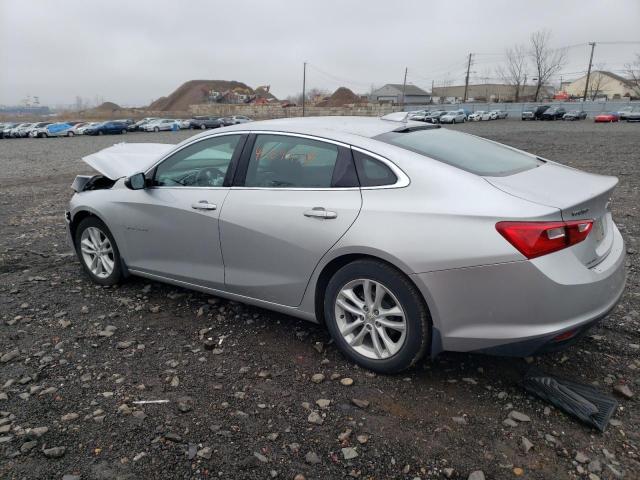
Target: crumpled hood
x=125, y=159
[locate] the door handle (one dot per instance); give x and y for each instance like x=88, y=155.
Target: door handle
x=320, y=212
x=204, y=205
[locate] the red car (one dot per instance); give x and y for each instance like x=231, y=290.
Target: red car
x=606, y=117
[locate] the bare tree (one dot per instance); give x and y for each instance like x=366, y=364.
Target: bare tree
x=546, y=61
x=514, y=71
x=633, y=74
x=79, y=103
x=597, y=83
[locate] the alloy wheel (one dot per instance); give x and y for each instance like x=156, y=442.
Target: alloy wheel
x=97, y=252
x=370, y=318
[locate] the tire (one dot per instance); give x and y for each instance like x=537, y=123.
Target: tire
x=100, y=132
x=70, y=134
x=93, y=225
x=156, y=129
x=123, y=131
x=203, y=127
x=408, y=346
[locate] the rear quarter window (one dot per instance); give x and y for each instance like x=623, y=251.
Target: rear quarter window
x=372, y=172
x=466, y=152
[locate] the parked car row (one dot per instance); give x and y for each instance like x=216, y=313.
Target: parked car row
x=485, y=115
x=149, y=124
x=456, y=116
x=554, y=112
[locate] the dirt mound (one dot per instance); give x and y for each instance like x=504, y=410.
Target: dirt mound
x=342, y=96
x=196, y=91
x=107, y=107
x=262, y=92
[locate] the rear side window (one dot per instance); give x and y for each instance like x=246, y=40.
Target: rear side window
x=280, y=161
x=372, y=172
x=467, y=152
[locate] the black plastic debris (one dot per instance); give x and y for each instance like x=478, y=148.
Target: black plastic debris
x=582, y=401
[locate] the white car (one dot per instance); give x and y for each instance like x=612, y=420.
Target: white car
x=476, y=116
x=454, y=117
x=236, y=120
x=163, y=124
x=489, y=116
x=75, y=129
x=81, y=129
x=184, y=124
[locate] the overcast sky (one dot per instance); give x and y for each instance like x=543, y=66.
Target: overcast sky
x=131, y=52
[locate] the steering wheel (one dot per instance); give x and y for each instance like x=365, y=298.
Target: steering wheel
x=207, y=177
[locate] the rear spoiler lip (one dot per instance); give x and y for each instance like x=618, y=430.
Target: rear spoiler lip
x=416, y=128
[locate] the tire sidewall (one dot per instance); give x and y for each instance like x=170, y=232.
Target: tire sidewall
x=116, y=275
x=417, y=336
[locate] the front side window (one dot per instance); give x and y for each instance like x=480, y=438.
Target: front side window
x=279, y=161
x=202, y=164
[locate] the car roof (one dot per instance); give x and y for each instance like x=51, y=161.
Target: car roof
x=337, y=128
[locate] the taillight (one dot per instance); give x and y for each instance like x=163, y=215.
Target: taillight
x=534, y=239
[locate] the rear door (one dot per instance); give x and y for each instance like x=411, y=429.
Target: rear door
x=294, y=198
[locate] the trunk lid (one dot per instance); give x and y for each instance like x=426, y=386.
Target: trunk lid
x=578, y=195
x=125, y=159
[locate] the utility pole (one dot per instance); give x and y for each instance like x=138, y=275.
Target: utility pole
x=432, y=84
x=304, y=84
x=404, y=85
x=586, y=85
x=466, y=80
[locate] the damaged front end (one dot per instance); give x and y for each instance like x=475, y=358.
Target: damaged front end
x=83, y=183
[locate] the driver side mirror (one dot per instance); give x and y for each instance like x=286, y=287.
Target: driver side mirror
x=136, y=181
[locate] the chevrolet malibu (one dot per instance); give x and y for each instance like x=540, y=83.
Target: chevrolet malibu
x=401, y=238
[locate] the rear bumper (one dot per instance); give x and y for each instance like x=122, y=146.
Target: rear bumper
x=520, y=308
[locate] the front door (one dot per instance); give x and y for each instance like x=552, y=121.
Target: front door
x=298, y=197
x=171, y=228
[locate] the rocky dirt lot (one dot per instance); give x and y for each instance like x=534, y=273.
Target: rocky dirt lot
x=245, y=393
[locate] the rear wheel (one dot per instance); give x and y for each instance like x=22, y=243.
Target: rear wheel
x=100, y=132
x=70, y=134
x=203, y=127
x=98, y=252
x=124, y=130
x=376, y=316
x=156, y=129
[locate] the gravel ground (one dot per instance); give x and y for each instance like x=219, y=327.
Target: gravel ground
x=255, y=394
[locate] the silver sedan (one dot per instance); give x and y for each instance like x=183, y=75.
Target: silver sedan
x=403, y=239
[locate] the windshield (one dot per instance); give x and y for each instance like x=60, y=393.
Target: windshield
x=467, y=152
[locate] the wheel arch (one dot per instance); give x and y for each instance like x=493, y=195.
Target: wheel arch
x=337, y=262
x=83, y=212
x=80, y=214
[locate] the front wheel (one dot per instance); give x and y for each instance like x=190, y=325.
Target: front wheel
x=376, y=316
x=98, y=252
x=156, y=129
x=100, y=132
